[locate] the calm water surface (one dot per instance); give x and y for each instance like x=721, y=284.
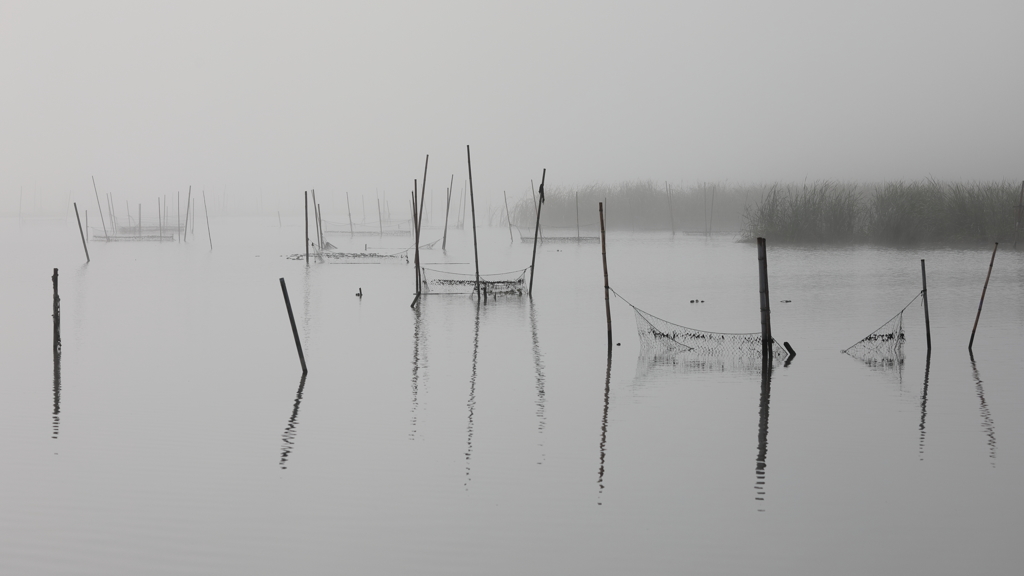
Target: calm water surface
x=497, y=439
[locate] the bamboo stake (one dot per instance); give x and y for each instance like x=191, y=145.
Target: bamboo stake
x=206, y=211
x=447, y=207
x=56, y=315
x=983, y=290
x=472, y=208
x=319, y=226
x=306, y=211
x=927, y=321
x=84, y=245
x=295, y=331
x=508, y=217
x=536, y=231
x=316, y=220
x=604, y=262
x=100, y=206
x=351, y=232
x=423, y=194
x=577, y=216
x=188, y=204
x=766, y=313
x=416, y=240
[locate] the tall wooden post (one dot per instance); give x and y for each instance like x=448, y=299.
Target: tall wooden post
x=508, y=216
x=924, y=294
x=159, y=220
x=766, y=313
x=316, y=220
x=56, y=315
x=447, y=208
x=295, y=331
x=206, y=211
x=416, y=237
x=84, y=245
x=380, y=220
x=423, y=195
x=472, y=209
x=188, y=209
x=351, y=231
x=100, y=206
x=577, y=216
x=306, y=212
x=983, y=290
x=536, y=232
x=604, y=262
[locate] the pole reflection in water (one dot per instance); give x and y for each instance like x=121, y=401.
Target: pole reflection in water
x=288, y=438
x=538, y=368
x=924, y=402
x=604, y=427
x=762, y=430
x=986, y=415
x=471, y=404
x=417, y=334
x=56, y=392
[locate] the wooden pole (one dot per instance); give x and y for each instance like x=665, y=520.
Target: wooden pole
x=416, y=239
x=447, y=208
x=351, y=231
x=536, y=231
x=577, y=216
x=472, y=208
x=316, y=220
x=206, y=211
x=177, y=213
x=423, y=195
x=983, y=290
x=604, y=262
x=160, y=220
x=80, y=232
x=924, y=294
x=56, y=315
x=295, y=331
x=188, y=204
x=1020, y=212
x=100, y=206
x=766, y=313
x=306, y=211
x=380, y=219
x=508, y=216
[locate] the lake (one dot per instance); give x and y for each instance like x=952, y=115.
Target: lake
x=498, y=438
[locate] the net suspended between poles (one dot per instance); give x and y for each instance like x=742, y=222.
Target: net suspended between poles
x=884, y=346
x=444, y=282
x=661, y=337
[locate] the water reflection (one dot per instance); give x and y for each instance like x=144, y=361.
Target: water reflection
x=986, y=415
x=471, y=403
x=924, y=402
x=56, y=392
x=417, y=334
x=538, y=368
x=604, y=427
x=288, y=438
x=762, y=431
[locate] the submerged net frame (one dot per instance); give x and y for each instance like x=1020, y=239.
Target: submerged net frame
x=662, y=339
x=444, y=282
x=883, y=348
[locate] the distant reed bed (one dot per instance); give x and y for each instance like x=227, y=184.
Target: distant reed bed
x=824, y=212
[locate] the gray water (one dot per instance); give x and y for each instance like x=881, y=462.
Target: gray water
x=496, y=439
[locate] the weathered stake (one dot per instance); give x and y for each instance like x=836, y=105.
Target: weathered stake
x=348, y=205
x=188, y=208
x=306, y=211
x=56, y=315
x=94, y=189
x=536, y=231
x=508, y=217
x=416, y=238
x=982, y=302
x=80, y=232
x=472, y=209
x=766, y=313
x=295, y=331
x=924, y=294
x=604, y=262
x=206, y=211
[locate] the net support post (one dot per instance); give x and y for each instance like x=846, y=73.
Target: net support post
x=82, y=234
x=766, y=313
x=472, y=211
x=924, y=297
x=536, y=232
x=306, y=212
x=970, y=345
x=604, y=261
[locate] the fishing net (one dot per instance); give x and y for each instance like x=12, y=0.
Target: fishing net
x=402, y=228
x=443, y=282
x=560, y=234
x=883, y=348
x=354, y=257
x=660, y=338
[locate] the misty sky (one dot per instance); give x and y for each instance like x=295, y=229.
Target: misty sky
x=349, y=96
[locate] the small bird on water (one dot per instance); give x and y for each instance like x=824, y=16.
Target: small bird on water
x=360, y=293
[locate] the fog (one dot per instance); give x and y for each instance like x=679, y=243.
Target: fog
x=250, y=97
